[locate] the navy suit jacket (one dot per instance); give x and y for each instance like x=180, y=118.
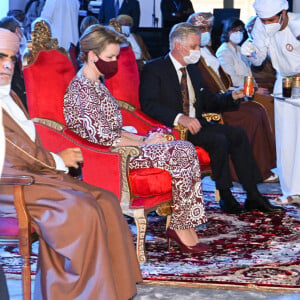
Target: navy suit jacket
x=160, y=93
x=129, y=7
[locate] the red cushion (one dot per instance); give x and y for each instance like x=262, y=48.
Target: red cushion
x=150, y=187
x=9, y=227
x=203, y=156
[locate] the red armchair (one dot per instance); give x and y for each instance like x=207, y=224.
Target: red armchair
x=124, y=86
x=47, y=74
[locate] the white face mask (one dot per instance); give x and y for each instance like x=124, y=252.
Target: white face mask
x=125, y=30
x=272, y=28
x=236, y=37
x=205, y=38
x=193, y=57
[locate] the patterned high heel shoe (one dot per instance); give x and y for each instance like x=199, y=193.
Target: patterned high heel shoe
x=198, y=248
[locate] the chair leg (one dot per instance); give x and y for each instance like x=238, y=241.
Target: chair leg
x=26, y=279
x=141, y=224
x=168, y=221
x=217, y=195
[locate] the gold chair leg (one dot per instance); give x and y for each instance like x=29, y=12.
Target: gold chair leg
x=217, y=195
x=141, y=224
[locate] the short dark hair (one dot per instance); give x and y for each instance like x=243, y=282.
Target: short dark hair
x=10, y=23
x=228, y=25
x=17, y=13
x=88, y=21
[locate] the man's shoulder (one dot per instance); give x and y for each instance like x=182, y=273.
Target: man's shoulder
x=294, y=23
x=159, y=62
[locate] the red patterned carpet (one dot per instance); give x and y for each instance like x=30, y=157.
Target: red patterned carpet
x=252, y=250
x=249, y=251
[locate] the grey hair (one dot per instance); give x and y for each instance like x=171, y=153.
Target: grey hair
x=180, y=32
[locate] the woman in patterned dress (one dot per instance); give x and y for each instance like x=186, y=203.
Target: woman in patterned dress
x=93, y=113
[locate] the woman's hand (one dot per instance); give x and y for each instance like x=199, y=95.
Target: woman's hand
x=156, y=138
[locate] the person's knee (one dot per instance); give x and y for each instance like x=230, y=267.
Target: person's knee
x=184, y=149
x=108, y=201
x=239, y=133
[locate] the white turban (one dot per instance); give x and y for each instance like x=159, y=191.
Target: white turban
x=269, y=8
x=9, y=40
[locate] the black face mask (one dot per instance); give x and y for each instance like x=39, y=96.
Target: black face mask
x=107, y=68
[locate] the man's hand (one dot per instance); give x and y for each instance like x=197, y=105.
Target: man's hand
x=71, y=156
x=238, y=93
x=263, y=91
x=192, y=124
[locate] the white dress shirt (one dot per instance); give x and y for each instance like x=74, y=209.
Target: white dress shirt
x=192, y=97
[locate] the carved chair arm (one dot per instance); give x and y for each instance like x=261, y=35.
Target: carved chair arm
x=208, y=116
x=50, y=123
x=126, y=105
x=212, y=117
x=182, y=131
x=16, y=180
x=126, y=152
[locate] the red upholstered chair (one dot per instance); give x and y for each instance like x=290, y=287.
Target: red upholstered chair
x=47, y=74
x=124, y=86
x=72, y=51
x=18, y=231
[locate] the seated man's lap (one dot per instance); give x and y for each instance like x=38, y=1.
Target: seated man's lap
x=215, y=136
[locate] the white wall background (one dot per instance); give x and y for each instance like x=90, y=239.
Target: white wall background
x=296, y=7
x=147, y=11
x=3, y=8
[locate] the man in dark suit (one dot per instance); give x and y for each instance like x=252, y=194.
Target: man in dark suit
x=175, y=11
x=172, y=91
x=112, y=8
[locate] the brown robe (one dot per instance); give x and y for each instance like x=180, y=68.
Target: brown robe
x=86, y=249
x=250, y=116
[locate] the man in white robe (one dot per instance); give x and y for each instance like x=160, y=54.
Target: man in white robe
x=63, y=17
x=276, y=33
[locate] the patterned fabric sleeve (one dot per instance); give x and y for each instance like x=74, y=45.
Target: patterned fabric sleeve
x=92, y=113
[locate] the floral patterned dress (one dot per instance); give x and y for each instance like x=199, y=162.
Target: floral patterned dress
x=93, y=113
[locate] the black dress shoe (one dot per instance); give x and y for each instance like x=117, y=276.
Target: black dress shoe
x=261, y=203
x=230, y=206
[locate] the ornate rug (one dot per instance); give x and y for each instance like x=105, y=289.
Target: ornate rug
x=249, y=251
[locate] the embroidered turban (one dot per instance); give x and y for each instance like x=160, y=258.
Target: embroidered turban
x=269, y=8
x=201, y=19
x=9, y=40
